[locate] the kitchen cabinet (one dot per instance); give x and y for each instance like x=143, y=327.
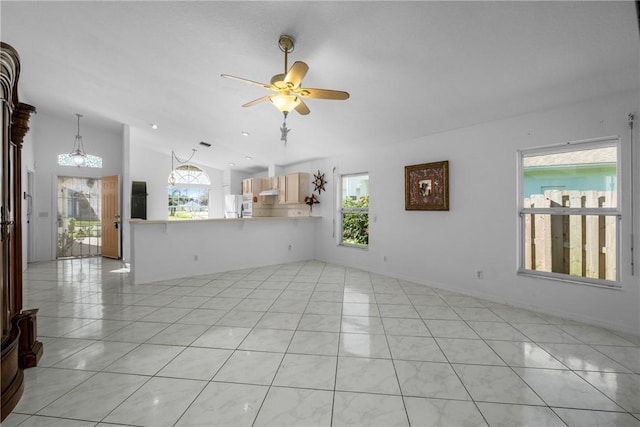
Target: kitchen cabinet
x=251, y=186
x=282, y=188
x=296, y=188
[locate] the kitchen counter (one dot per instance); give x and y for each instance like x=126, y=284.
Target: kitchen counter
x=164, y=250
x=187, y=221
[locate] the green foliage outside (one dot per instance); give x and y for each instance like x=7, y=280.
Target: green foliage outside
x=76, y=231
x=66, y=238
x=88, y=228
x=181, y=215
x=355, y=226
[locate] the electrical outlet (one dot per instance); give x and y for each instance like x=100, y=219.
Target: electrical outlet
x=289, y=247
x=479, y=274
x=384, y=258
x=195, y=257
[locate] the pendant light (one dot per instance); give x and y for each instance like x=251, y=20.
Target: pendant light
x=172, y=175
x=78, y=155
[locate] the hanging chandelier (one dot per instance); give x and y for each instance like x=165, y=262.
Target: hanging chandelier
x=78, y=155
x=172, y=175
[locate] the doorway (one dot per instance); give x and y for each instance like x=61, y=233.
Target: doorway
x=79, y=225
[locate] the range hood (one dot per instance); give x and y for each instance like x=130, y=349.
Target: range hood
x=272, y=192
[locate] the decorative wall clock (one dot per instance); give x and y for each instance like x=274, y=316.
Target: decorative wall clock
x=319, y=182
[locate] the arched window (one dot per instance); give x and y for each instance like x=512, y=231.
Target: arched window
x=188, y=193
x=189, y=174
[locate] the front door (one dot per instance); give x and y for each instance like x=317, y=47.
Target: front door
x=110, y=217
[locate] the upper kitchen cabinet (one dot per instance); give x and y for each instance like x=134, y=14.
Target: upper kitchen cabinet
x=297, y=187
x=252, y=186
x=282, y=188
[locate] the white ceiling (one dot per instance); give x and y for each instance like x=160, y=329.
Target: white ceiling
x=412, y=68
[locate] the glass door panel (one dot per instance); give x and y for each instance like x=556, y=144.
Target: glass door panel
x=79, y=229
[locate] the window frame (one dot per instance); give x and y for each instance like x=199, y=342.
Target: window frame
x=91, y=161
x=188, y=186
x=522, y=211
x=342, y=211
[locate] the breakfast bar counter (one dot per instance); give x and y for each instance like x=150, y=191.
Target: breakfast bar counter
x=163, y=250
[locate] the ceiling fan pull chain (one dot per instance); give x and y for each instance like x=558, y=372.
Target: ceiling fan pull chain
x=283, y=130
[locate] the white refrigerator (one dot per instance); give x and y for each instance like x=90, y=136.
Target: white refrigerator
x=232, y=206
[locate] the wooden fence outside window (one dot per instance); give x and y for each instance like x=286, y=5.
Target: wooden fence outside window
x=575, y=244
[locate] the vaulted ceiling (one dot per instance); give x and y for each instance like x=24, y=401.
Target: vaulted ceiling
x=412, y=68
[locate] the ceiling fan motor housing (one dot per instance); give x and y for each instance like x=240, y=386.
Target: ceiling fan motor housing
x=286, y=43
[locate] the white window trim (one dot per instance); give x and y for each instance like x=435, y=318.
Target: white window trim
x=617, y=211
x=341, y=211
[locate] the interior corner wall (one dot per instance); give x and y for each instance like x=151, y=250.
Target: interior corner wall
x=480, y=231
x=125, y=192
x=235, y=181
x=53, y=135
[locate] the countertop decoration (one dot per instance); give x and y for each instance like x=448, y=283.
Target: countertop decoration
x=311, y=200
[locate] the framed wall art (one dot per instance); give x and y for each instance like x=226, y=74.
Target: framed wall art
x=426, y=187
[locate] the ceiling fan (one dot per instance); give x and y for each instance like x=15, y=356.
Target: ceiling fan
x=289, y=92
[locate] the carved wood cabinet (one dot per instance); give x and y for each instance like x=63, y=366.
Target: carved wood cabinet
x=20, y=348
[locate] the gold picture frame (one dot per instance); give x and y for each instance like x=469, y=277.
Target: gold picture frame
x=426, y=187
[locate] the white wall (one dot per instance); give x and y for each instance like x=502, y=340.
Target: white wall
x=154, y=168
x=232, y=181
x=125, y=212
x=54, y=135
x=480, y=231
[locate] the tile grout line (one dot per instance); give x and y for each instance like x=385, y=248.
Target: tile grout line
x=447, y=358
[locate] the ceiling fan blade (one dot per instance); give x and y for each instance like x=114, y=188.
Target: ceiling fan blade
x=256, y=101
x=251, y=82
x=296, y=73
x=302, y=108
x=322, y=93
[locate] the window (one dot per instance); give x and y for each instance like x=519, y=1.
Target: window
x=354, y=209
x=188, y=193
x=569, y=211
x=90, y=161
x=189, y=174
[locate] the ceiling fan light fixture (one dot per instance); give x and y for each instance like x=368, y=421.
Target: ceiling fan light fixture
x=287, y=85
x=285, y=103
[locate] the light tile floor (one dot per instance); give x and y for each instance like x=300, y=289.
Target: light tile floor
x=309, y=344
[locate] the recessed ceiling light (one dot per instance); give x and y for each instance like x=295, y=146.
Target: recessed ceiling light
x=154, y=126
x=248, y=157
x=245, y=133
x=231, y=164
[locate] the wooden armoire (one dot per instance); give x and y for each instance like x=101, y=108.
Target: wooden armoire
x=20, y=348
